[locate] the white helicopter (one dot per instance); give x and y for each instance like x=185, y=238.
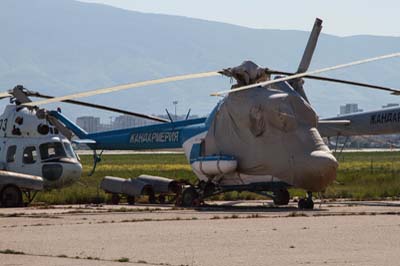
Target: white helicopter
x=36, y=152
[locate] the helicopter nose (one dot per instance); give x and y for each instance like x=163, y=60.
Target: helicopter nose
x=71, y=172
x=60, y=174
x=319, y=171
x=326, y=164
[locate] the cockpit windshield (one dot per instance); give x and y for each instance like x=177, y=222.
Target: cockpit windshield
x=51, y=150
x=68, y=149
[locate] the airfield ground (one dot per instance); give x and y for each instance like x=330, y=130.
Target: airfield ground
x=235, y=233
x=252, y=232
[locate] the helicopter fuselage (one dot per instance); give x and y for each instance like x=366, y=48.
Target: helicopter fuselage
x=30, y=145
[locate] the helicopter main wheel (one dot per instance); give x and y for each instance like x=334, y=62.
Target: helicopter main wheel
x=11, y=196
x=115, y=198
x=189, y=196
x=281, y=197
x=130, y=200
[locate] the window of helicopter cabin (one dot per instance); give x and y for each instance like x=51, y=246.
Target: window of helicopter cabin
x=68, y=149
x=29, y=155
x=11, y=151
x=51, y=150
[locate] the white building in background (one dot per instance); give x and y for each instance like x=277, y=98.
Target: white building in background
x=89, y=123
x=349, y=108
x=390, y=105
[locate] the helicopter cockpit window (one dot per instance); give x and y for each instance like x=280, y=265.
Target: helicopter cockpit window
x=29, y=155
x=12, y=150
x=51, y=150
x=68, y=149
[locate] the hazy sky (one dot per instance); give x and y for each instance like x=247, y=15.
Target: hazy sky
x=341, y=17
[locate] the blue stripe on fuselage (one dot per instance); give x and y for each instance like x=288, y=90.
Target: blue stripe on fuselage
x=160, y=136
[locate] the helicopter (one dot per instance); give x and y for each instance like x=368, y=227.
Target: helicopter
x=261, y=137
x=35, y=154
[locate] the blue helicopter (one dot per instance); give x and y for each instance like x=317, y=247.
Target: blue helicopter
x=261, y=137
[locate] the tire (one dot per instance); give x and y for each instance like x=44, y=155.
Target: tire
x=11, y=197
x=306, y=204
x=130, y=200
x=115, y=198
x=310, y=204
x=282, y=197
x=189, y=195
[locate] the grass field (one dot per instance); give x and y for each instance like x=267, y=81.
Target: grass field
x=367, y=175
x=361, y=175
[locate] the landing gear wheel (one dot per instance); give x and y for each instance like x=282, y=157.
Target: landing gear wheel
x=281, y=197
x=11, y=196
x=306, y=204
x=115, y=198
x=189, y=197
x=130, y=200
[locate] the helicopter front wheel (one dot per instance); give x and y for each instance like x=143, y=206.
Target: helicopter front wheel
x=307, y=203
x=11, y=196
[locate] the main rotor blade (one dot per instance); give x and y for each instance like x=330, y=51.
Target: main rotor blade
x=311, y=45
x=107, y=108
x=307, y=56
x=4, y=95
x=300, y=75
x=125, y=87
x=343, y=81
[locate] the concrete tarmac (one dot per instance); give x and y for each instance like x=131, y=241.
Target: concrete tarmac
x=225, y=233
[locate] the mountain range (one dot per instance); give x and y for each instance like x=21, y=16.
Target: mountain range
x=65, y=46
